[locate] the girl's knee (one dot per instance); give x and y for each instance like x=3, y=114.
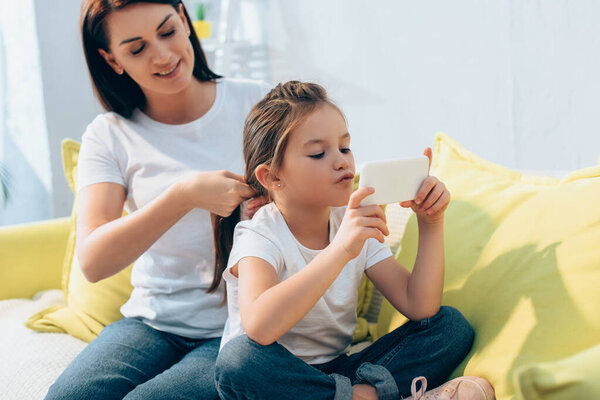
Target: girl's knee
x=455, y=325
x=235, y=357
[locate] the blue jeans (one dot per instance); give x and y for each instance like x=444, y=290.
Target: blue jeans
x=432, y=347
x=132, y=360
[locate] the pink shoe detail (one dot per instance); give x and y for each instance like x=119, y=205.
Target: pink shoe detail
x=461, y=388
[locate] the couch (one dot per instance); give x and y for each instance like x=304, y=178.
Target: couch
x=522, y=264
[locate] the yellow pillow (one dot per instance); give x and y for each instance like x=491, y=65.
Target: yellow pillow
x=522, y=263
x=90, y=306
x=575, y=377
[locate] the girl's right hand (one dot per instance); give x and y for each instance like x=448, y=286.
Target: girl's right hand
x=359, y=224
x=219, y=192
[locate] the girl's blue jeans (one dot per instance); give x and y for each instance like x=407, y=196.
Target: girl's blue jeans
x=432, y=347
x=131, y=360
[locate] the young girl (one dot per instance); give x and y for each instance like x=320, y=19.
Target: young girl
x=294, y=270
x=168, y=149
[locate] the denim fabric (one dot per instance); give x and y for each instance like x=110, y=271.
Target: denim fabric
x=131, y=360
x=432, y=347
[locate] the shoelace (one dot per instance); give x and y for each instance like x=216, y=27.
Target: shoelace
x=447, y=393
x=413, y=388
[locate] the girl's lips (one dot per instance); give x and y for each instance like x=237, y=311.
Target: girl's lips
x=346, y=178
x=172, y=73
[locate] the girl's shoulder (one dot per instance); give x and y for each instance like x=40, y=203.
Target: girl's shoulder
x=265, y=221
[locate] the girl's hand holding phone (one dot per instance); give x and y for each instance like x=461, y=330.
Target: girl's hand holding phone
x=431, y=200
x=360, y=224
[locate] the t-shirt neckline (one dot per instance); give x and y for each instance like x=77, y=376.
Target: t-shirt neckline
x=144, y=119
x=289, y=232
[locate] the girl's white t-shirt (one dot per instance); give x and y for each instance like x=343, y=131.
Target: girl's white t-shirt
x=327, y=330
x=147, y=157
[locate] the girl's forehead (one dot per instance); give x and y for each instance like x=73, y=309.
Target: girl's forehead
x=324, y=124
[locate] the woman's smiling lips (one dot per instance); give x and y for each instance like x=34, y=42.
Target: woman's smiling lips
x=169, y=72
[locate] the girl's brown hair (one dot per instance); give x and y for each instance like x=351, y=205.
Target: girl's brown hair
x=120, y=93
x=266, y=134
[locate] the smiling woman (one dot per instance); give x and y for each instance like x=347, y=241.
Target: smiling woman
x=168, y=151
x=126, y=53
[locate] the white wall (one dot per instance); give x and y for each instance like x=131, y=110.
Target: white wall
x=514, y=81
x=68, y=97
x=24, y=149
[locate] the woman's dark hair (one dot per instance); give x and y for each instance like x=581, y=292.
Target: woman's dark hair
x=120, y=93
x=266, y=134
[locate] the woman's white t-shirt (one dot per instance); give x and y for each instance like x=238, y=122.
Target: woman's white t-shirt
x=327, y=330
x=147, y=157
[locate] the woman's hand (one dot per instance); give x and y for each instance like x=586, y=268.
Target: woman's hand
x=431, y=200
x=254, y=205
x=219, y=192
x=359, y=224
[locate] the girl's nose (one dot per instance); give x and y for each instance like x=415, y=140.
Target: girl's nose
x=342, y=162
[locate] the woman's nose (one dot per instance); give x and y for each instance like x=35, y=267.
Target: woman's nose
x=161, y=55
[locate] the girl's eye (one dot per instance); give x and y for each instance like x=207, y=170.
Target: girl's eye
x=168, y=33
x=317, y=156
x=345, y=150
x=138, y=51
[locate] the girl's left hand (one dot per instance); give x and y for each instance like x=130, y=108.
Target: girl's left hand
x=431, y=200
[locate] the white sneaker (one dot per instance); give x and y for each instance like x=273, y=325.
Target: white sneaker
x=461, y=388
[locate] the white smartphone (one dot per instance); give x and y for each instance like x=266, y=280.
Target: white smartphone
x=394, y=180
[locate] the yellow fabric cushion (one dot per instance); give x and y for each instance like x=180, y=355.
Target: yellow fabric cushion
x=90, y=306
x=575, y=377
x=31, y=257
x=522, y=263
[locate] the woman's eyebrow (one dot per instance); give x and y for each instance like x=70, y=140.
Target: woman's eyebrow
x=138, y=38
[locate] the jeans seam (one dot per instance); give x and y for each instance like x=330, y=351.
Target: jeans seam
x=390, y=355
x=218, y=387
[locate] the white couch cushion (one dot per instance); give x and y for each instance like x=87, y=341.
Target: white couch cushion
x=31, y=361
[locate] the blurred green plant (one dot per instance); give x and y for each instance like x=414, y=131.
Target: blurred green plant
x=200, y=12
x=5, y=183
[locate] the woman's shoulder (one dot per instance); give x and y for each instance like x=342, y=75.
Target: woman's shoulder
x=104, y=122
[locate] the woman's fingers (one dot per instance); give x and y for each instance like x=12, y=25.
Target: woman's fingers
x=235, y=176
x=245, y=191
x=254, y=205
x=257, y=202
